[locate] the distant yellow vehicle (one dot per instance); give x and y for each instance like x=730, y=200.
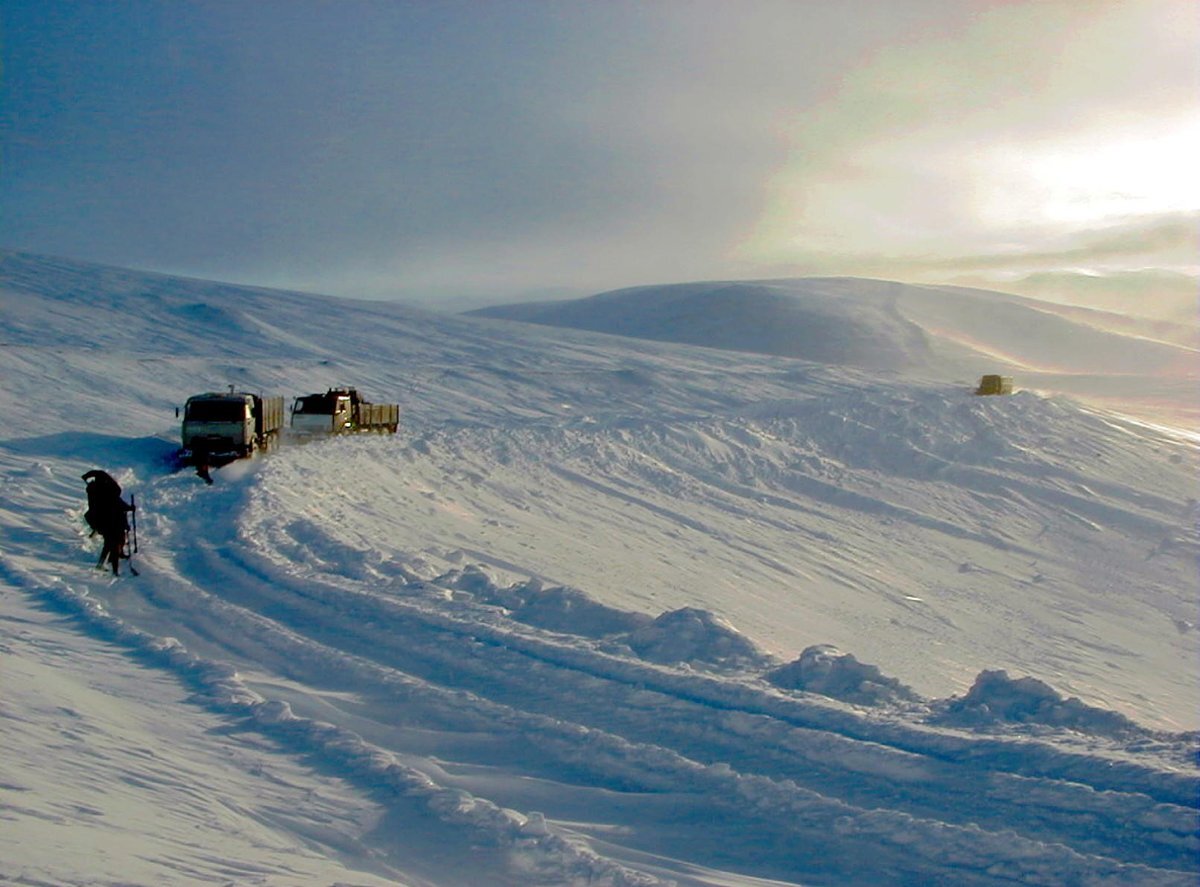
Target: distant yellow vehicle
x=995, y=385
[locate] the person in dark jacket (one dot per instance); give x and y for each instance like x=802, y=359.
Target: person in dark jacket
x=107, y=514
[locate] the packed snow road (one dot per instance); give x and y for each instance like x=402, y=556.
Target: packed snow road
x=392, y=610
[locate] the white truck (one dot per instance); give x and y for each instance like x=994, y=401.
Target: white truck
x=342, y=411
x=231, y=424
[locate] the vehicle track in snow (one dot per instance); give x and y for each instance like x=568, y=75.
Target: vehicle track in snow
x=804, y=772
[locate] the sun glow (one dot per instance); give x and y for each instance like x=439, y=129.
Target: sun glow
x=1094, y=179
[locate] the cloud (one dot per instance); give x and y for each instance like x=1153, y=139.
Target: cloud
x=1151, y=293
x=370, y=149
x=975, y=141
x=295, y=143
x=1168, y=241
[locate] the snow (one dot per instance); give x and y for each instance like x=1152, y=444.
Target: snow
x=605, y=610
x=1139, y=365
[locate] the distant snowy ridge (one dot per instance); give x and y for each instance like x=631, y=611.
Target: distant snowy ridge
x=824, y=321
x=874, y=324
x=929, y=331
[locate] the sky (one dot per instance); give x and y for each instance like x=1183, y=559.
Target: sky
x=445, y=152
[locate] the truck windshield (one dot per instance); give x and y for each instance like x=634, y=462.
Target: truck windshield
x=314, y=403
x=216, y=411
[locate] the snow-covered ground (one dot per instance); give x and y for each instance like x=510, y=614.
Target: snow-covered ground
x=605, y=611
x=1135, y=364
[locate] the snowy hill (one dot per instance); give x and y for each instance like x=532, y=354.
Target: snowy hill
x=605, y=611
x=844, y=322
x=1145, y=367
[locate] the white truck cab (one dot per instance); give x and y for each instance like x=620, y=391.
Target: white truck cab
x=232, y=423
x=329, y=413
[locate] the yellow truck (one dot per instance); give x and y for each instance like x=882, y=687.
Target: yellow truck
x=995, y=385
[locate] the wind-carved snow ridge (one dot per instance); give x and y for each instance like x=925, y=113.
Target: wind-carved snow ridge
x=699, y=637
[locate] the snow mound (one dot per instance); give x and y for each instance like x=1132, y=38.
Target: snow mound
x=688, y=635
x=826, y=670
x=696, y=636
x=559, y=608
x=568, y=609
x=996, y=698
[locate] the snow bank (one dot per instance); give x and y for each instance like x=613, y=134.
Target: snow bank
x=694, y=636
x=556, y=608
x=688, y=635
x=826, y=670
x=996, y=698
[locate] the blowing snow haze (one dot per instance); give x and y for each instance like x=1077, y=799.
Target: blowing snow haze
x=604, y=610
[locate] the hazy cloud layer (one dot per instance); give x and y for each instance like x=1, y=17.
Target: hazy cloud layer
x=465, y=148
